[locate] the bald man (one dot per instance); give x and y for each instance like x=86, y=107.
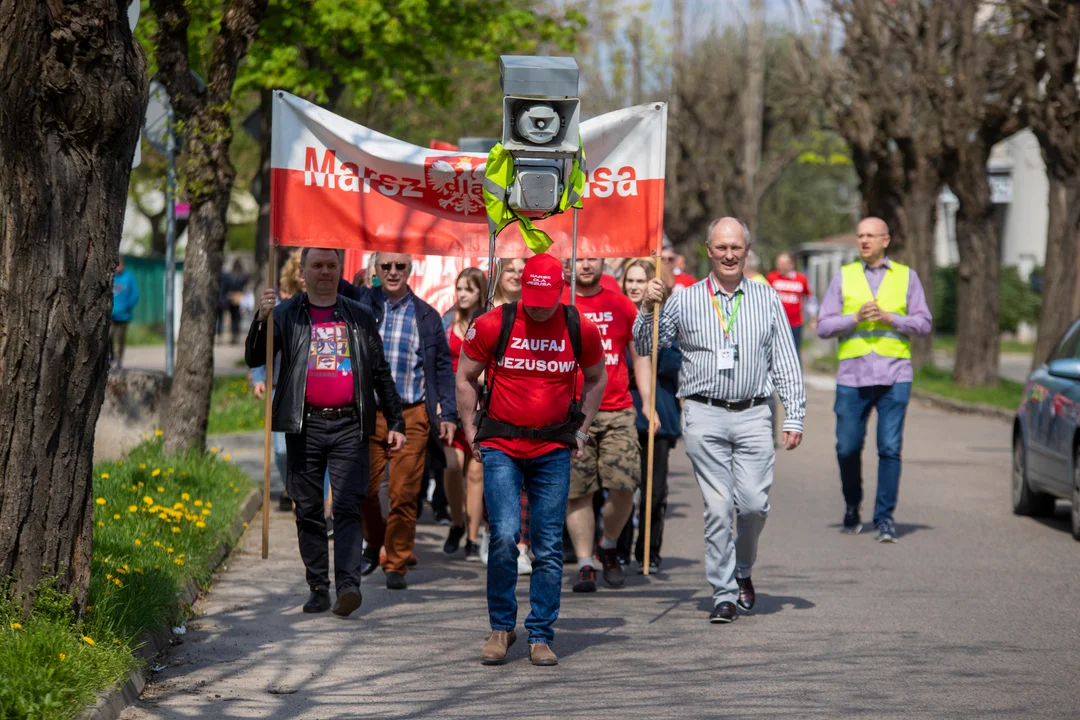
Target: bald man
x=794, y=289
x=873, y=306
x=737, y=349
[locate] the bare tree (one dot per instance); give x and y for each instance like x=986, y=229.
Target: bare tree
x=72, y=97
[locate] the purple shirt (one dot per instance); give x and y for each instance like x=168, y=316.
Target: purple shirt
x=873, y=369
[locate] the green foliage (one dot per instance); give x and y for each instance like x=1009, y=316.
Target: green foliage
x=1006, y=394
x=1017, y=302
x=233, y=407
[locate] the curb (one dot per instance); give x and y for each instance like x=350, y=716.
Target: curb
x=966, y=408
x=112, y=702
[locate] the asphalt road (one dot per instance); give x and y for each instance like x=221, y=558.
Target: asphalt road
x=975, y=613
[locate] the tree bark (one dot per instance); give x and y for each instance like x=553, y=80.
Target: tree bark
x=1060, y=283
x=72, y=98
x=919, y=212
x=753, y=113
x=207, y=127
x=262, y=226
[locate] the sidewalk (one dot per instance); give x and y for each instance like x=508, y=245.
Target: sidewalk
x=227, y=358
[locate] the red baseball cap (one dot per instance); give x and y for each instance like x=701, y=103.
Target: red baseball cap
x=542, y=281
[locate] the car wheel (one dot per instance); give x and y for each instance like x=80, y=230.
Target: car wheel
x=1025, y=500
x=1076, y=495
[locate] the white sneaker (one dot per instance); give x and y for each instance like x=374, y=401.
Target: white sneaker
x=524, y=563
x=483, y=545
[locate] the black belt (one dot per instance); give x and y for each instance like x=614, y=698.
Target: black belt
x=733, y=405
x=331, y=413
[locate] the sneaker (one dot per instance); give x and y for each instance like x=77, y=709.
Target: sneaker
x=453, y=540
x=613, y=572
x=886, y=531
x=472, y=551
x=586, y=580
x=442, y=516
x=655, y=563
x=284, y=503
x=852, y=521
x=318, y=601
x=524, y=563
x=483, y=552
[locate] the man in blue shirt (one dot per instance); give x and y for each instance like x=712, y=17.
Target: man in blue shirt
x=125, y=297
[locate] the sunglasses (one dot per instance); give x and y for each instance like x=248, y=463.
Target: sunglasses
x=400, y=267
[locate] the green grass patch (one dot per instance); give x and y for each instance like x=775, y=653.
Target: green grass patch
x=947, y=344
x=233, y=407
x=145, y=335
x=157, y=521
x=1006, y=394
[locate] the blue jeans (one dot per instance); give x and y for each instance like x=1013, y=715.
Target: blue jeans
x=547, y=484
x=852, y=407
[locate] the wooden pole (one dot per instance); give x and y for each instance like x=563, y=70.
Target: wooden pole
x=267, y=442
x=652, y=431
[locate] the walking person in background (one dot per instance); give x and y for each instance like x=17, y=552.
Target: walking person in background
x=125, y=298
x=736, y=349
x=873, y=306
x=471, y=291
x=331, y=370
x=232, y=294
x=636, y=278
x=675, y=277
x=752, y=271
x=794, y=289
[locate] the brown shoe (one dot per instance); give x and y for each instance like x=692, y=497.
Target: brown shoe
x=541, y=654
x=496, y=646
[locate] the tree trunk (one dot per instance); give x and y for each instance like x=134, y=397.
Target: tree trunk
x=72, y=97
x=919, y=211
x=1060, y=283
x=753, y=113
x=262, y=227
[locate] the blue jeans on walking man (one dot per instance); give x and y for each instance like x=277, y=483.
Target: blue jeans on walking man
x=547, y=483
x=852, y=407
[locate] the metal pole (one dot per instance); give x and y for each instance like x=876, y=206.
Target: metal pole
x=493, y=276
x=573, y=262
x=651, y=450
x=170, y=245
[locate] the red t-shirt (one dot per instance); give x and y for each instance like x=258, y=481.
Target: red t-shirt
x=536, y=378
x=329, y=375
x=792, y=290
x=613, y=314
x=455, y=343
x=608, y=282
x=683, y=280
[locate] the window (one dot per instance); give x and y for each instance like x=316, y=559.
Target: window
x=1069, y=345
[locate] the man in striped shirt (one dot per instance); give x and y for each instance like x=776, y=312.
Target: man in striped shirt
x=737, y=348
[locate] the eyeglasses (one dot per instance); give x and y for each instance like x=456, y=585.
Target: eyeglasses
x=668, y=259
x=400, y=267
x=862, y=236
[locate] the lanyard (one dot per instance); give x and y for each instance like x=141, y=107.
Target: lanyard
x=727, y=325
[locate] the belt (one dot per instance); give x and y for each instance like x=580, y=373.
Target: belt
x=331, y=413
x=733, y=405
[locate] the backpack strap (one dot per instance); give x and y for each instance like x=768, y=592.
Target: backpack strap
x=573, y=327
x=509, y=315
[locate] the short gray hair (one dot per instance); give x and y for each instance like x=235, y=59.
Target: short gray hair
x=714, y=223
x=305, y=251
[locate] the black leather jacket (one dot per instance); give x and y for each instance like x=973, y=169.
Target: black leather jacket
x=292, y=339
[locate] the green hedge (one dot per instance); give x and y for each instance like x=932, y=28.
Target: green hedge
x=1016, y=300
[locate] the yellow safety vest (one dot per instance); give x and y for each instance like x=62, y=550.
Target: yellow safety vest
x=875, y=337
x=499, y=175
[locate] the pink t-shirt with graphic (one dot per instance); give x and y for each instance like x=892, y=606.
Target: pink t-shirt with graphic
x=329, y=378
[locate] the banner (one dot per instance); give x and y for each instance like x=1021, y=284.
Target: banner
x=338, y=184
x=433, y=276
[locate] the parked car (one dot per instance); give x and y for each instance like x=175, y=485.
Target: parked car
x=1046, y=434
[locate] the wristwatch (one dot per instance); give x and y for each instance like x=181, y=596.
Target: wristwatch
x=582, y=436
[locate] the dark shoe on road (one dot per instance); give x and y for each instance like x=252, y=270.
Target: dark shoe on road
x=395, y=581
x=746, y=593
x=723, y=613
x=318, y=602
x=453, y=540
x=542, y=655
x=472, y=551
x=886, y=531
x=613, y=572
x=852, y=521
x=370, y=560
x=284, y=503
x=347, y=602
x=655, y=563
x=586, y=580
x=330, y=528
x=496, y=646
x=411, y=562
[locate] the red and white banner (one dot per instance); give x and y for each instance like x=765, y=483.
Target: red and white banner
x=338, y=184
x=433, y=276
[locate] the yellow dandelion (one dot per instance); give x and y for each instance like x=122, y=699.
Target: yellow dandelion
x=213, y=449
x=116, y=516
x=160, y=488
x=157, y=567
x=171, y=470
x=245, y=524
x=122, y=570
x=175, y=529
x=198, y=503
x=168, y=550
x=200, y=524
x=140, y=483
x=118, y=583
x=100, y=501
x=148, y=500
x=183, y=474
x=156, y=472
x=205, y=511
x=108, y=576
x=185, y=497
x=100, y=524
x=163, y=516
x=139, y=570
x=142, y=466
x=88, y=640
x=16, y=626
x=228, y=458
x=157, y=433
x=89, y=608
x=178, y=561
x=62, y=657
x=104, y=476
x=133, y=508
x=138, y=541
x=209, y=504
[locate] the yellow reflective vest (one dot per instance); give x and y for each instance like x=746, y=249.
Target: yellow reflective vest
x=875, y=337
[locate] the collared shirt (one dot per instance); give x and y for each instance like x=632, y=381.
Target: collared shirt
x=401, y=344
x=873, y=369
x=767, y=357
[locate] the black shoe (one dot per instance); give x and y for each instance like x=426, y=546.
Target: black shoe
x=370, y=560
x=613, y=572
x=319, y=602
x=330, y=528
x=442, y=516
x=723, y=613
x=284, y=503
x=347, y=602
x=586, y=580
x=395, y=581
x=472, y=551
x=852, y=521
x=654, y=565
x=746, y=594
x=453, y=540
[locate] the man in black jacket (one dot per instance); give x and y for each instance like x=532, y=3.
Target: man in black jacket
x=332, y=367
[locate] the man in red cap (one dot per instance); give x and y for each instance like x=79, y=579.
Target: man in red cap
x=528, y=422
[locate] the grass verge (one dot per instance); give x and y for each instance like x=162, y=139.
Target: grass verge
x=157, y=520
x=233, y=407
x=947, y=344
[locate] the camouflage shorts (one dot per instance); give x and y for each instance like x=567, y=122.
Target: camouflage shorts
x=612, y=455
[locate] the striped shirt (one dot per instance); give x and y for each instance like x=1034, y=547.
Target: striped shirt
x=401, y=344
x=767, y=358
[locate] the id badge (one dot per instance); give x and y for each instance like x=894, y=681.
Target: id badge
x=725, y=359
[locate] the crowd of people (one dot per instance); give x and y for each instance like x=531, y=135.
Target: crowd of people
x=531, y=413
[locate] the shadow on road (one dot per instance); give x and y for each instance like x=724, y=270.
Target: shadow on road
x=766, y=604
x=902, y=529
x=1060, y=520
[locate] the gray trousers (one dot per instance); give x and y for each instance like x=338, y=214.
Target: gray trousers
x=733, y=456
